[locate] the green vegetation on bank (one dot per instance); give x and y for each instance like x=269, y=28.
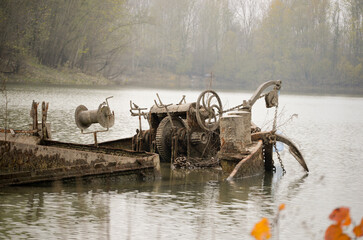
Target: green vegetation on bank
x=31, y=72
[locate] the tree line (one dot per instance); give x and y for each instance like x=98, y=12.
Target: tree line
x=85, y=34
x=315, y=44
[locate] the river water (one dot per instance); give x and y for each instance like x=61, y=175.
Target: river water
x=191, y=204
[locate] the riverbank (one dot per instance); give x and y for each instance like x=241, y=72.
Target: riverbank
x=32, y=73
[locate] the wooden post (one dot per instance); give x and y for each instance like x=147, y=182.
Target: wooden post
x=34, y=115
x=44, y=119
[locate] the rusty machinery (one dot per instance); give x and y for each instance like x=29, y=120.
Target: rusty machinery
x=190, y=130
x=84, y=118
x=184, y=129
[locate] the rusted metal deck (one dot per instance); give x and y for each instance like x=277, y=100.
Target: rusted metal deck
x=24, y=159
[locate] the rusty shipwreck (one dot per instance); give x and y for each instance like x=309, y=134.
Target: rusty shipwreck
x=187, y=135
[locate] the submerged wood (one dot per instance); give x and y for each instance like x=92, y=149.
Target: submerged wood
x=251, y=164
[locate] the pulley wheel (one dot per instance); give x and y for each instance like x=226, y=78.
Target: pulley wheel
x=209, y=110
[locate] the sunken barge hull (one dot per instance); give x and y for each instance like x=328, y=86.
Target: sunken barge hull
x=26, y=159
x=186, y=135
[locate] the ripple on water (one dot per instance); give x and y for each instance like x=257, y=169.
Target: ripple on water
x=194, y=204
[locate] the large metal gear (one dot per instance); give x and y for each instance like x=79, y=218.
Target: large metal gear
x=163, y=137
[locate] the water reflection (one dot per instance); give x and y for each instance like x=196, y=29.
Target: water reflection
x=54, y=212
x=34, y=207
x=188, y=203
x=295, y=186
x=191, y=203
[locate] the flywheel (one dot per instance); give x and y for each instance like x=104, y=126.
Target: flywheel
x=164, y=136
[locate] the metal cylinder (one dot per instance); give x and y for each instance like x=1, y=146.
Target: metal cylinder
x=235, y=131
x=85, y=118
x=198, y=137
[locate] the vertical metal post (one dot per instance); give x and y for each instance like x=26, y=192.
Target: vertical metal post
x=174, y=148
x=95, y=138
x=269, y=163
x=139, y=136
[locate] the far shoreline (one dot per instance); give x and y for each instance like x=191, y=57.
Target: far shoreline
x=317, y=92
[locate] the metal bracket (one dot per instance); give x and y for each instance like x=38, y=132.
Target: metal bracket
x=106, y=103
x=248, y=104
x=94, y=134
x=134, y=107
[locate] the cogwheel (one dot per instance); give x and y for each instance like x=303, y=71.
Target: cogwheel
x=163, y=137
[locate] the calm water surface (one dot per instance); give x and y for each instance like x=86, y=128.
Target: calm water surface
x=195, y=204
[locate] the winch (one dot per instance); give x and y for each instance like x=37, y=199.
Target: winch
x=197, y=134
x=189, y=130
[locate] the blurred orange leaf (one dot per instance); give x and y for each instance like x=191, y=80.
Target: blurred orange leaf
x=341, y=216
x=358, y=230
x=282, y=206
x=261, y=230
x=335, y=232
x=343, y=237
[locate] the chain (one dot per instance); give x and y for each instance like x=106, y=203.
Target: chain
x=239, y=106
x=280, y=160
x=274, y=142
x=275, y=119
x=272, y=137
x=233, y=108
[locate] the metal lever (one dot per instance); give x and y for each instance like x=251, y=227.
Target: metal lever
x=182, y=100
x=248, y=104
x=166, y=109
x=134, y=107
x=139, y=114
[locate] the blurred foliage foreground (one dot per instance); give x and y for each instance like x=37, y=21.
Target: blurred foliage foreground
x=336, y=231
